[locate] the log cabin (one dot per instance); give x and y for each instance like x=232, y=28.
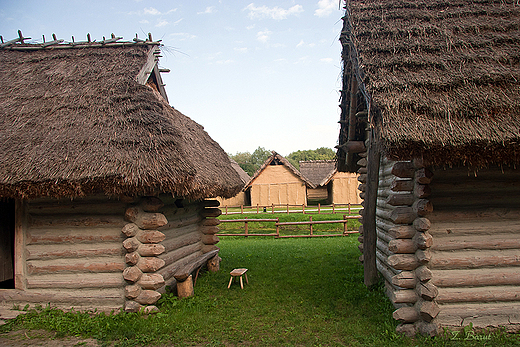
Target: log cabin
x=278, y=182
x=104, y=185
x=430, y=119
x=332, y=186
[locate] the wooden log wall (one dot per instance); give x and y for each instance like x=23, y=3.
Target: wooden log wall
x=70, y=254
x=403, y=243
x=475, y=258
x=166, y=236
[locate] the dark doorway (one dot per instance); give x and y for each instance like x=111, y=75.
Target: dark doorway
x=7, y=244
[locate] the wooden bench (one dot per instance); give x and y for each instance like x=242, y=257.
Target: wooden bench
x=183, y=275
x=238, y=273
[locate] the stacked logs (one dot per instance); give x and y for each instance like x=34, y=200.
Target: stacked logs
x=142, y=247
x=403, y=244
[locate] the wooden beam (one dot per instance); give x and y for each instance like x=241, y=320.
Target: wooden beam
x=369, y=218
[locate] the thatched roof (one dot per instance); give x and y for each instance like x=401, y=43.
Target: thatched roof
x=76, y=121
x=442, y=77
x=243, y=175
x=277, y=159
x=318, y=171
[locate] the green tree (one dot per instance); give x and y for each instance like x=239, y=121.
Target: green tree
x=322, y=153
x=251, y=162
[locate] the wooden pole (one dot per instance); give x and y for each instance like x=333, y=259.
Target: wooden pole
x=287, y=208
x=319, y=208
x=241, y=209
x=369, y=216
x=277, y=227
x=246, y=229
x=257, y=208
x=310, y=220
x=226, y=210
x=272, y=208
x=349, y=208
x=333, y=208
x=303, y=208
x=345, y=226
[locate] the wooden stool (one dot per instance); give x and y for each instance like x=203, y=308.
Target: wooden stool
x=236, y=273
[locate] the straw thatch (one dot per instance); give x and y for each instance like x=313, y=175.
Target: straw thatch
x=318, y=172
x=75, y=121
x=243, y=175
x=442, y=78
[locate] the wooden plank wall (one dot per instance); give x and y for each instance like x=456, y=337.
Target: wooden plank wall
x=476, y=251
x=72, y=254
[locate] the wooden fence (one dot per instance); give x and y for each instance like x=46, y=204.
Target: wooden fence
x=277, y=224
x=287, y=208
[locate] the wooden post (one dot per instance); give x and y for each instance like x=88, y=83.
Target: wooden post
x=310, y=220
x=287, y=208
x=226, y=210
x=272, y=208
x=319, y=208
x=349, y=208
x=303, y=208
x=333, y=208
x=369, y=215
x=257, y=208
x=246, y=228
x=277, y=227
x=345, y=226
x=241, y=209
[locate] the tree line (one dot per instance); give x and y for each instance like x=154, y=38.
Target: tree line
x=251, y=162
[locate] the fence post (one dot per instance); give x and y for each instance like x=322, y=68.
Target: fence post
x=319, y=208
x=345, y=226
x=333, y=208
x=226, y=210
x=241, y=209
x=272, y=208
x=246, y=228
x=257, y=208
x=287, y=208
x=277, y=227
x=310, y=220
x=349, y=208
x=303, y=208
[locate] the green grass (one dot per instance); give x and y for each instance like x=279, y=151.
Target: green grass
x=301, y=292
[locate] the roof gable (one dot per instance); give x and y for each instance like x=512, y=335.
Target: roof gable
x=277, y=159
x=318, y=171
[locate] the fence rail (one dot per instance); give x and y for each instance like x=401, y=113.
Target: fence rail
x=288, y=208
x=277, y=224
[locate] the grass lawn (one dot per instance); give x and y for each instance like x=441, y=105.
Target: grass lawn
x=301, y=292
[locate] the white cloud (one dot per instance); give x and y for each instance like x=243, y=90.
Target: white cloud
x=327, y=60
x=263, y=36
x=209, y=9
x=326, y=7
x=162, y=23
x=241, y=49
x=300, y=44
x=152, y=11
x=222, y=62
x=273, y=12
x=182, y=36
x=250, y=27
x=178, y=21
x=144, y=21
x=303, y=44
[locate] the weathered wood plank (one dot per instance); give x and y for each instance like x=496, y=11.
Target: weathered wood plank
x=476, y=277
x=77, y=281
x=71, y=234
x=484, y=294
x=94, y=264
x=474, y=259
x=74, y=250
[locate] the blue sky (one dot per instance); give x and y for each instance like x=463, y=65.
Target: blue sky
x=262, y=73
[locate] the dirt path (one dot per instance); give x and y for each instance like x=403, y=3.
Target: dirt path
x=42, y=338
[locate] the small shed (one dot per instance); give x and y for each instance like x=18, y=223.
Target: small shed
x=332, y=186
x=431, y=121
x=241, y=199
x=104, y=185
x=278, y=182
